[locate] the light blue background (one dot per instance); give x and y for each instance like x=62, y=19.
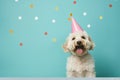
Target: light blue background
x=40, y=56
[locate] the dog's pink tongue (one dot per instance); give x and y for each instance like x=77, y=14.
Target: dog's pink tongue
x=79, y=51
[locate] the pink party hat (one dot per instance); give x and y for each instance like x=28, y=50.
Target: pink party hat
x=75, y=26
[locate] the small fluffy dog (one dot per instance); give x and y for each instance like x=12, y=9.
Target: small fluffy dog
x=80, y=63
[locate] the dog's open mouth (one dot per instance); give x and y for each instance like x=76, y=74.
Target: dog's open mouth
x=79, y=49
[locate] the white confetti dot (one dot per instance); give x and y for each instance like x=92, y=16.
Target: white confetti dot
x=16, y=0
x=53, y=21
x=36, y=17
x=20, y=17
x=84, y=13
x=88, y=25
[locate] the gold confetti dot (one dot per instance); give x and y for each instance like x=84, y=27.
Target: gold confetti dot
x=69, y=19
x=31, y=6
x=54, y=39
x=71, y=14
x=11, y=31
x=56, y=8
x=101, y=17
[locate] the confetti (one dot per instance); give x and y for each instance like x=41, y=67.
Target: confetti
x=45, y=33
x=110, y=5
x=20, y=17
x=21, y=44
x=88, y=26
x=54, y=39
x=84, y=13
x=56, y=8
x=69, y=19
x=74, y=2
x=101, y=17
x=16, y=0
x=31, y=6
x=36, y=18
x=71, y=14
x=53, y=20
x=11, y=31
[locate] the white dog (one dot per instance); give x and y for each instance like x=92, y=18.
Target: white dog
x=80, y=63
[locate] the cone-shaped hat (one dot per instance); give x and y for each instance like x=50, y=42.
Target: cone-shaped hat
x=75, y=26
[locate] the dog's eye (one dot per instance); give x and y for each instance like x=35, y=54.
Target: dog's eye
x=73, y=38
x=83, y=37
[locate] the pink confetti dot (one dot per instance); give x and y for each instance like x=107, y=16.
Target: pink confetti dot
x=21, y=44
x=74, y=2
x=110, y=5
x=46, y=33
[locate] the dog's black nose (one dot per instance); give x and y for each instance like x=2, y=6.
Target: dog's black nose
x=79, y=42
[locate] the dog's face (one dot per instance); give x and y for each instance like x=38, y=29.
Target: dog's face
x=78, y=43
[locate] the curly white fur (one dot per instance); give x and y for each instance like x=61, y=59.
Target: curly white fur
x=79, y=65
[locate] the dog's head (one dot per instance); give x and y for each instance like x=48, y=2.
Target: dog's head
x=78, y=43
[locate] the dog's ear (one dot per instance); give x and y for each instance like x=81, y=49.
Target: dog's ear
x=65, y=47
x=92, y=45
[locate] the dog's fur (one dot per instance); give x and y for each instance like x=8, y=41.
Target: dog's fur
x=79, y=65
